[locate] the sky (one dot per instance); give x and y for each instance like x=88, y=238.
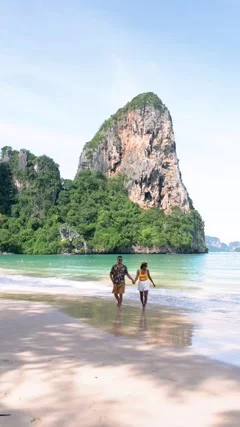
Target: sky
x=66, y=66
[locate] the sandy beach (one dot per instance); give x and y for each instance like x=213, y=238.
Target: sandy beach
x=57, y=371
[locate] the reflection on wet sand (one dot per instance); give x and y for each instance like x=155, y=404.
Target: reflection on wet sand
x=166, y=329
x=117, y=324
x=169, y=328
x=143, y=326
x=152, y=326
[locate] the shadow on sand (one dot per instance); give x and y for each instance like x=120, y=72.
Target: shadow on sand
x=43, y=343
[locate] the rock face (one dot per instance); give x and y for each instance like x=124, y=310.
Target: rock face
x=138, y=141
x=22, y=159
x=22, y=155
x=234, y=245
x=215, y=245
x=76, y=243
x=6, y=154
x=67, y=233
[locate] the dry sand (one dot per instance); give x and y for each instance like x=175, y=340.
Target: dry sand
x=56, y=371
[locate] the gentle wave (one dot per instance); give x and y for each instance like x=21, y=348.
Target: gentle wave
x=209, y=301
x=213, y=310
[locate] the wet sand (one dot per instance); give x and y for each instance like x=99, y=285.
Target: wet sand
x=57, y=371
x=153, y=325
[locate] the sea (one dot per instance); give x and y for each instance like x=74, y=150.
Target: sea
x=205, y=287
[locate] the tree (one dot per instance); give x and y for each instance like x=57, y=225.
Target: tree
x=98, y=209
x=7, y=189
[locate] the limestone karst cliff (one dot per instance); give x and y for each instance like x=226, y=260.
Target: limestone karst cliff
x=42, y=213
x=138, y=141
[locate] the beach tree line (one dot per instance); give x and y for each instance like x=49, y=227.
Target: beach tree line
x=98, y=209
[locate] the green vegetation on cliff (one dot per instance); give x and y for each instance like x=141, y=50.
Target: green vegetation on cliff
x=7, y=189
x=97, y=209
x=139, y=102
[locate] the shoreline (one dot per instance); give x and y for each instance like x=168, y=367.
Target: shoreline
x=58, y=371
x=164, y=326
x=210, y=308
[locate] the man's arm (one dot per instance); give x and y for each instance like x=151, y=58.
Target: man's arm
x=128, y=275
x=111, y=274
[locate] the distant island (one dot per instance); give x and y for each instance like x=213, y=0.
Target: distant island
x=127, y=197
x=215, y=245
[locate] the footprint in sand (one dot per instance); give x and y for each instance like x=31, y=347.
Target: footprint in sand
x=6, y=361
x=36, y=421
x=103, y=421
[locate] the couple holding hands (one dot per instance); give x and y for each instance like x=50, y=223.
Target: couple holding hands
x=117, y=276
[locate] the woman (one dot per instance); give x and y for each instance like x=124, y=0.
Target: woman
x=143, y=277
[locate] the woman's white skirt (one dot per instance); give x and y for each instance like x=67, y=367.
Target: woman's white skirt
x=143, y=285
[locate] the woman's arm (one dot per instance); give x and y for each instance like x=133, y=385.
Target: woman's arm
x=148, y=272
x=136, y=276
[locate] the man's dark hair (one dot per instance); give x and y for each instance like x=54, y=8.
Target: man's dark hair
x=119, y=257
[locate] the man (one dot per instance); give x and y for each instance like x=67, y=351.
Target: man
x=117, y=276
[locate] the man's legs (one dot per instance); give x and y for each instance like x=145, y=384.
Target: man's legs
x=117, y=298
x=121, y=290
x=120, y=300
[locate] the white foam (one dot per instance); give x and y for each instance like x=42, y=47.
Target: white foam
x=207, y=300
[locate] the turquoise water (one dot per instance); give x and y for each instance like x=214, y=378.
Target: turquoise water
x=220, y=270
x=205, y=287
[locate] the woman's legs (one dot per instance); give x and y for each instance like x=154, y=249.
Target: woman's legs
x=145, y=298
x=141, y=297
